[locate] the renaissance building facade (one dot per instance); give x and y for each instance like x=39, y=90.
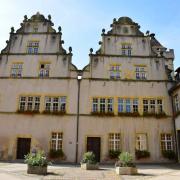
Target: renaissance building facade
x=123, y=100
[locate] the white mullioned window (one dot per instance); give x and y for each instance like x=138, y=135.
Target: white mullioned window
x=152, y=105
x=141, y=141
x=126, y=49
x=44, y=70
x=115, y=72
x=159, y=106
x=114, y=141
x=29, y=103
x=176, y=103
x=56, y=140
x=16, y=69
x=141, y=73
x=120, y=105
x=33, y=47
x=103, y=105
x=166, y=142
x=55, y=104
x=135, y=105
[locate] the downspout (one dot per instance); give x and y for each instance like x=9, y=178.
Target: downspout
x=174, y=127
x=79, y=77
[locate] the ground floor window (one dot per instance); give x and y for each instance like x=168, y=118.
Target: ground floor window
x=166, y=142
x=141, y=141
x=56, y=140
x=114, y=141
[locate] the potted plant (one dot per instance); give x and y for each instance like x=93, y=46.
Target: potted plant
x=89, y=162
x=142, y=154
x=114, y=154
x=125, y=165
x=37, y=163
x=56, y=154
x=169, y=154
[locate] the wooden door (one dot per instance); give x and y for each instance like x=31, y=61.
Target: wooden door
x=23, y=147
x=94, y=145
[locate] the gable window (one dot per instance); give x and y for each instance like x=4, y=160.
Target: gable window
x=102, y=105
x=176, y=103
x=141, y=141
x=140, y=73
x=29, y=103
x=55, y=104
x=115, y=72
x=126, y=49
x=114, y=141
x=166, y=142
x=56, y=140
x=33, y=47
x=35, y=28
x=16, y=70
x=44, y=70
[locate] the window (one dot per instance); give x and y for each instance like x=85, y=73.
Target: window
x=29, y=103
x=33, y=47
x=16, y=70
x=103, y=105
x=35, y=28
x=166, y=142
x=153, y=106
x=128, y=105
x=44, y=70
x=56, y=140
x=126, y=49
x=115, y=72
x=120, y=105
x=135, y=105
x=114, y=141
x=140, y=73
x=176, y=102
x=141, y=141
x=55, y=104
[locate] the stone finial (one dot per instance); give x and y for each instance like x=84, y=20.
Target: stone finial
x=12, y=29
x=49, y=17
x=59, y=29
x=147, y=32
x=152, y=35
x=91, y=50
x=114, y=20
x=7, y=42
x=100, y=42
x=70, y=49
x=62, y=41
x=25, y=18
x=103, y=31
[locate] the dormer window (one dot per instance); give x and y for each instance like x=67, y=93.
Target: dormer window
x=44, y=70
x=115, y=72
x=33, y=47
x=35, y=29
x=126, y=49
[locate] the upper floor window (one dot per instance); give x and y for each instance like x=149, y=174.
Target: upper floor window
x=102, y=105
x=115, y=72
x=35, y=28
x=33, y=47
x=114, y=141
x=44, y=70
x=126, y=49
x=29, y=103
x=176, y=102
x=128, y=105
x=55, y=104
x=166, y=142
x=141, y=141
x=56, y=140
x=152, y=106
x=16, y=69
x=141, y=73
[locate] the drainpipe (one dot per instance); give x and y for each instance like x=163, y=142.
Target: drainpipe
x=174, y=126
x=79, y=77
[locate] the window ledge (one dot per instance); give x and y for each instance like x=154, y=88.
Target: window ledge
x=102, y=113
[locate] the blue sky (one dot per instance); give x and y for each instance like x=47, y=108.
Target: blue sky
x=82, y=21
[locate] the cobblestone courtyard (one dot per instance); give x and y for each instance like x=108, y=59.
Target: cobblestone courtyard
x=17, y=171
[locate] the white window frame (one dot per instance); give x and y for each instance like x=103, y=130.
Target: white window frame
x=115, y=141
x=141, y=141
x=57, y=140
x=16, y=70
x=166, y=140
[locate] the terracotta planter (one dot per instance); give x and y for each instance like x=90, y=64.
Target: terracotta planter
x=126, y=170
x=41, y=170
x=89, y=166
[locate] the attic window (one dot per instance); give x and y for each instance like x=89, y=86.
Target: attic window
x=126, y=49
x=33, y=47
x=125, y=30
x=35, y=28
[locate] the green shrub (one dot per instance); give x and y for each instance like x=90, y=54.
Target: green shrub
x=142, y=154
x=56, y=153
x=89, y=158
x=113, y=154
x=125, y=160
x=36, y=159
x=169, y=154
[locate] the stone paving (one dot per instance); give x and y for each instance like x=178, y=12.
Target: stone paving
x=17, y=171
